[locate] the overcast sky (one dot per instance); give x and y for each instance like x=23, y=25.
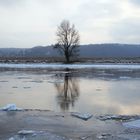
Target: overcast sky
x=28, y=23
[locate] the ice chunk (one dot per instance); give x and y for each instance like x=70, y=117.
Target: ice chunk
x=84, y=116
x=26, y=132
x=11, y=107
x=132, y=124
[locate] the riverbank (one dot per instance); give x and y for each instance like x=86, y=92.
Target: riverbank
x=79, y=60
x=42, y=125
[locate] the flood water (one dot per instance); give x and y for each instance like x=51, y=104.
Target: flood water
x=97, y=91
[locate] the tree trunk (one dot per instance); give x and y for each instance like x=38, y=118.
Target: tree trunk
x=67, y=57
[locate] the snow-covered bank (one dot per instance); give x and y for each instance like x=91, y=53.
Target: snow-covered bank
x=71, y=66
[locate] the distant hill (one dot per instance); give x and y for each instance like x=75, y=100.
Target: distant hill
x=91, y=50
x=110, y=50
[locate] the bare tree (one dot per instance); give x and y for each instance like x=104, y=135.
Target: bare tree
x=67, y=40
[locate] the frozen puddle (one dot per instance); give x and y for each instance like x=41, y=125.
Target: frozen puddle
x=36, y=135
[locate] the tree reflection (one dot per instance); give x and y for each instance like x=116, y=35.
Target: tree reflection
x=68, y=92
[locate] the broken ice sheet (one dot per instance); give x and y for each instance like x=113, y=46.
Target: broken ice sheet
x=83, y=116
x=11, y=107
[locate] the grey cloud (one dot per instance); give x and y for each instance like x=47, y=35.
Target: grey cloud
x=96, y=13
x=100, y=10
x=97, y=20
x=126, y=31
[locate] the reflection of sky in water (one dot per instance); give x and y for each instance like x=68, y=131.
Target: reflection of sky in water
x=120, y=97
x=65, y=92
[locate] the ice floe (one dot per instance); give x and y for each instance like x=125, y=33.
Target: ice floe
x=10, y=107
x=83, y=116
x=132, y=124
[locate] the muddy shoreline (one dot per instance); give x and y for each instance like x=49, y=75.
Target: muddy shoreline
x=65, y=126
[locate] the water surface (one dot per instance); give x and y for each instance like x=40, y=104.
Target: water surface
x=97, y=91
